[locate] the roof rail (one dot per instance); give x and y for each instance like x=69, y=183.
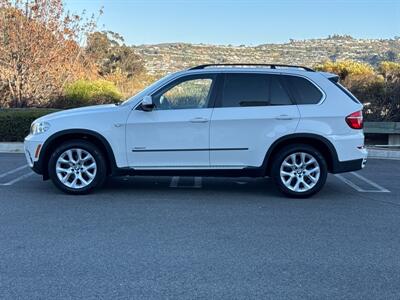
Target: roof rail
x=271, y=66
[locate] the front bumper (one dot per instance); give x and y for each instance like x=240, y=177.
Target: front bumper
x=32, y=150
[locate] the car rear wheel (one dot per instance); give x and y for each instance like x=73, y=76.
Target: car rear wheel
x=299, y=171
x=77, y=167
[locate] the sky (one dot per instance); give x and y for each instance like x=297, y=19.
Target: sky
x=238, y=22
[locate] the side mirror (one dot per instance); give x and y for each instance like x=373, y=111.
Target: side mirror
x=147, y=103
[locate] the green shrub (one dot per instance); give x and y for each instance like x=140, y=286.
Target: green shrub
x=15, y=123
x=84, y=92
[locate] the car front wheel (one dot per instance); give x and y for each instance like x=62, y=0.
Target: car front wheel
x=299, y=170
x=77, y=167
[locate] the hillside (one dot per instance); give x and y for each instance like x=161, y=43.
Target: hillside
x=163, y=58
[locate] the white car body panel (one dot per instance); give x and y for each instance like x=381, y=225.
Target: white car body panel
x=105, y=120
x=168, y=138
x=247, y=133
x=256, y=128
x=327, y=119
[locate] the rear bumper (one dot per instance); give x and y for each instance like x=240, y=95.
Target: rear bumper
x=351, y=155
x=349, y=165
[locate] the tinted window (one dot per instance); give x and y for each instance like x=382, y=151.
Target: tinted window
x=277, y=93
x=253, y=90
x=303, y=90
x=184, y=94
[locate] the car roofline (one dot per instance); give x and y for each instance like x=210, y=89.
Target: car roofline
x=244, y=70
x=256, y=65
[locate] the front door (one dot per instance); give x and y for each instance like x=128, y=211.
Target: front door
x=175, y=134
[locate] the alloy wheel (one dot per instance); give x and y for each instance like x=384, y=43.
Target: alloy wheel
x=300, y=172
x=76, y=168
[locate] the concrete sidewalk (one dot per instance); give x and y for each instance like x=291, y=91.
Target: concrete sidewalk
x=373, y=152
x=11, y=147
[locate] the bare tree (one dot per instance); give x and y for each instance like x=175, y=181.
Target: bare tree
x=40, y=49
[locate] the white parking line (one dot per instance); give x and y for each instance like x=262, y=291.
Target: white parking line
x=197, y=182
x=13, y=171
x=348, y=182
x=174, y=182
x=375, y=185
x=17, y=179
x=241, y=182
x=379, y=189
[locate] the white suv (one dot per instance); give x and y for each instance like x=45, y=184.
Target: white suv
x=287, y=122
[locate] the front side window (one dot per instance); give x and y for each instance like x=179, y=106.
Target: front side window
x=185, y=94
x=253, y=90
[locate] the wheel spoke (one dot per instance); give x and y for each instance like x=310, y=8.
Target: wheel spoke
x=86, y=158
x=313, y=179
x=287, y=164
x=63, y=170
x=91, y=166
x=79, y=154
x=70, y=155
x=311, y=161
x=73, y=183
x=296, y=186
x=90, y=175
x=66, y=178
x=63, y=160
x=303, y=157
x=80, y=177
x=308, y=172
x=305, y=184
x=293, y=158
x=284, y=173
x=289, y=180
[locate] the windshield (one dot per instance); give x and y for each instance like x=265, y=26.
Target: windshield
x=149, y=89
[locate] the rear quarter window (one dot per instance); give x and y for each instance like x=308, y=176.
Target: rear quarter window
x=303, y=91
x=346, y=91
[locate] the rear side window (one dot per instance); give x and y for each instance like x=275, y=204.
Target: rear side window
x=243, y=89
x=303, y=90
x=277, y=93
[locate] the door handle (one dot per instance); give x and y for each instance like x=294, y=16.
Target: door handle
x=283, y=117
x=199, y=120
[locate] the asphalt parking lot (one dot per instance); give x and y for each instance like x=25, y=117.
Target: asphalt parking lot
x=220, y=238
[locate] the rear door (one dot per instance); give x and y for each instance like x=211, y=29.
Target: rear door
x=252, y=111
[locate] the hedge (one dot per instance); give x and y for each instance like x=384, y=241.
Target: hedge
x=15, y=123
x=85, y=92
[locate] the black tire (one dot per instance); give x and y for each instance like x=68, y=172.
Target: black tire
x=279, y=158
x=100, y=175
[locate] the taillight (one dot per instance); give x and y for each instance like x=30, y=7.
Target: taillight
x=355, y=120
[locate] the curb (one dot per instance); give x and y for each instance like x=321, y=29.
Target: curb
x=12, y=147
x=383, y=153
x=16, y=147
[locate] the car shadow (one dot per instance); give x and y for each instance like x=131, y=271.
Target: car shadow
x=210, y=188
x=188, y=184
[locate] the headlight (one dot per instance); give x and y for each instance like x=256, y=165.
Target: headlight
x=39, y=127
